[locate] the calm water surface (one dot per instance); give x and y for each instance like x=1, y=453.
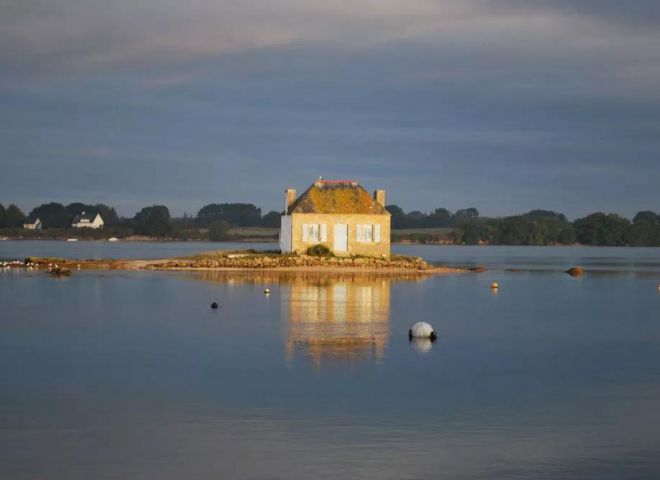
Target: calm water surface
x=502, y=257
x=13, y=249
x=131, y=375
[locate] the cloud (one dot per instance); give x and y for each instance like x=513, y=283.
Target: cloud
x=444, y=102
x=76, y=34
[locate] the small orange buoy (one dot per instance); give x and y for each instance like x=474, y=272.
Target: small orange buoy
x=494, y=285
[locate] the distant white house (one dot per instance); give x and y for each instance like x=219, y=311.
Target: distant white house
x=32, y=224
x=86, y=220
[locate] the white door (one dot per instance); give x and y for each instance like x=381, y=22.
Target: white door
x=341, y=237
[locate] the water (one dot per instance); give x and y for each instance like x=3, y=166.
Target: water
x=131, y=375
x=15, y=249
x=642, y=259
x=498, y=257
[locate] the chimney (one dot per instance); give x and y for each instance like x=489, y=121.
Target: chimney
x=379, y=196
x=290, y=198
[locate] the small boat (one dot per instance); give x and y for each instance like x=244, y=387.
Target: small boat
x=113, y=239
x=71, y=239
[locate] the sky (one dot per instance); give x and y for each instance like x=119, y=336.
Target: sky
x=502, y=105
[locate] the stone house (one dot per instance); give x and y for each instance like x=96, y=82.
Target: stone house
x=86, y=220
x=339, y=214
x=32, y=224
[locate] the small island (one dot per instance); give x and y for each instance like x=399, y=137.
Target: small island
x=246, y=260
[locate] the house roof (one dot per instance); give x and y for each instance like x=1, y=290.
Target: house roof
x=84, y=216
x=31, y=220
x=336, y=196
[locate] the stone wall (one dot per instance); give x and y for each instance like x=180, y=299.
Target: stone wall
x=295, y=261
x=354, y=247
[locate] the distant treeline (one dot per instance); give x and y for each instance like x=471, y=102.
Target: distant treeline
x=538, y=227
x=465, y=226
x=213, y=221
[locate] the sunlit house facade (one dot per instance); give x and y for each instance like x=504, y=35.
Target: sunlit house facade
x=339, y=214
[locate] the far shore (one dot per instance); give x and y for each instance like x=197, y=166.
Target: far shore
x=248, y=241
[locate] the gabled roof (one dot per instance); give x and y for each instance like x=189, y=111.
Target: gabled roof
x=84, y=216
x=31, y=221
x=336, y=196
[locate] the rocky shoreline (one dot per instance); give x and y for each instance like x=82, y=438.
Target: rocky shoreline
x=247, y=261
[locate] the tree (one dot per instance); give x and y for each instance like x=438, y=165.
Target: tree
x=544, y=214
x=398, y=216
x=647, y=216
x=219, y=231
x=441, y=217
x=415, y=219
x=76, y=208
x=52, y=215
x=517, y=230
x=2, y=216
x=153, y=221
x=237, y=214
x=271, y=220
x=567, y=234
x=472, y=232
x=465, y=214
x=14, y=217
x=601, y=229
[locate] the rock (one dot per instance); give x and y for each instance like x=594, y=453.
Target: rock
x=575, y=271
x=60, y=271
x=478, y=269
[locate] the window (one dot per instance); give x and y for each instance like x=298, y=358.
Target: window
x=367, y=233
x=314, y=232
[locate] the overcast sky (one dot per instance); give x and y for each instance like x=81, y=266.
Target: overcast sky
x=505, y=105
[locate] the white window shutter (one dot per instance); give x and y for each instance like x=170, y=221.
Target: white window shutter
x=305, y=234
x=377, y=233
x=324, y=232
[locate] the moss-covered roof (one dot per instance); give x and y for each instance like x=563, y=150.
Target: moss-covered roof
x=327, y=196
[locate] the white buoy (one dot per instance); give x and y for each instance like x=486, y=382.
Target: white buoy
x=267, y=291
x=422, y=330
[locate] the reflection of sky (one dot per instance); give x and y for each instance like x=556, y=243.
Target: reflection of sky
x=132, y=375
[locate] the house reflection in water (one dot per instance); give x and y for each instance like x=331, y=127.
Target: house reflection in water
x=341, y=318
